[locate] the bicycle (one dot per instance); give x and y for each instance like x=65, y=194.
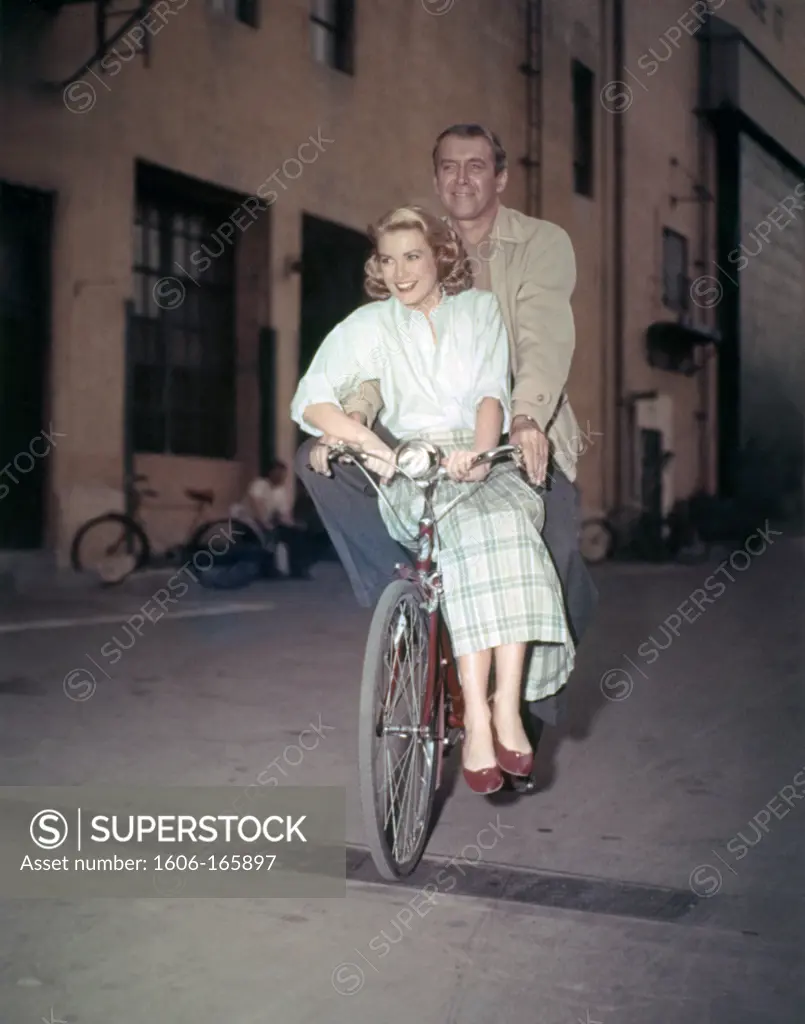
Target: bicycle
x=250, y=561
x=632, y=533
x=408, y=662
x=115, y=544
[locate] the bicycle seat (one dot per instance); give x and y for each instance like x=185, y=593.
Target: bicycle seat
x=202, y=497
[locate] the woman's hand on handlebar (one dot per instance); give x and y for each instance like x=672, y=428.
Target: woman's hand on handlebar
x=459, y=467
x=379, y=459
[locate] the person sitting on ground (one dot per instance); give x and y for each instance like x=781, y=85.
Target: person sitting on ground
x=269, y=501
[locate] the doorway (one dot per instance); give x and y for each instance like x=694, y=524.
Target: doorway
x=26, y=218
x=332, y=280
x=333, y=257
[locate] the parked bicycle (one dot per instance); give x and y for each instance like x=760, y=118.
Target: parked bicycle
x=115, y=545
x=411, y=712
x=629, y=532
x=254, y=557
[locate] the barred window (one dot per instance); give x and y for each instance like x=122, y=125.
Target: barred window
x=183, y=333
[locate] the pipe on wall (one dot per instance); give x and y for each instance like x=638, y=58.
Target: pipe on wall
x=532, y=69
x=621, y=463
x=605, y=254
x=705, y=181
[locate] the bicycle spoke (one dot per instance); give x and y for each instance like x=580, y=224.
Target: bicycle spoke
x=394, y=804
x=405, y=830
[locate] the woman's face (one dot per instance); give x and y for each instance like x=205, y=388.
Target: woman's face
x=408, y=267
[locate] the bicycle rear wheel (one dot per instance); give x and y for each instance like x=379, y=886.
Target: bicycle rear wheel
x=112, y=546
x=596, y=541
x=399, y=733
x=222, y=538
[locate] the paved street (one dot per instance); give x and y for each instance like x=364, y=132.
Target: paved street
x=659, y=870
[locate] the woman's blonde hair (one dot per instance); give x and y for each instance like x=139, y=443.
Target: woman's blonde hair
x=452, y=266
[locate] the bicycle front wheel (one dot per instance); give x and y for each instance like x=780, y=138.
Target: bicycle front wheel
x=111, y=546
x=399, y=732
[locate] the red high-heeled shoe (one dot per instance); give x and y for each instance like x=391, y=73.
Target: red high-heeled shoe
x=512, y=761
x=484, y=780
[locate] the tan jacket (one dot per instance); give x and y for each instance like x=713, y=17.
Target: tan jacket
x=533, y=274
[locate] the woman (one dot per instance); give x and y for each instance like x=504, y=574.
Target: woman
x=439, y=349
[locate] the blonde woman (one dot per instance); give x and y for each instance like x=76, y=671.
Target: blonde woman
x=439, y=350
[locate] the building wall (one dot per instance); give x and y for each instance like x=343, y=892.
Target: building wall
x=230, y=105
x=572, y=31
x=779, y=38
x=662, y=169
x=240, y=107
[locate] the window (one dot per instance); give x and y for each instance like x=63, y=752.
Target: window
x=332, y=33
x=183, y=332
x=244, y=11
x=675, y=283
x=583, y=129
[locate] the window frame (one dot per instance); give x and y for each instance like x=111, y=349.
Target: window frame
x=338, y=30
x=676, y=298
x=190, y=348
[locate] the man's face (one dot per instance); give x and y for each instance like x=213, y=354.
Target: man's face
x=465, y=179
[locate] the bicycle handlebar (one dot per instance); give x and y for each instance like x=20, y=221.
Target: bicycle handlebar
x=342, y=448
x=426, y=481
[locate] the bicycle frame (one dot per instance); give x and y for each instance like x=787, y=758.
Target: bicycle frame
x=135, y=500
x=442, y=690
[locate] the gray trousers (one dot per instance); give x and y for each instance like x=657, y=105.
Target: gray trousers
x=348, y=508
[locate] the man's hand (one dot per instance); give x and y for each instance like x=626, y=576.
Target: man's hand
x=319, y=454
x=458, y=468
x=380, y=459
x=535, y=445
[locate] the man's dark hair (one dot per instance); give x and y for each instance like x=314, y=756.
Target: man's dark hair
x=474, y=131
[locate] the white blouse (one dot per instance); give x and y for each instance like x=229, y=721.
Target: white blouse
x=424, y=386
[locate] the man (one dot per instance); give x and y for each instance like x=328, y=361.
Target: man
x=530, y=265
x=270, y=501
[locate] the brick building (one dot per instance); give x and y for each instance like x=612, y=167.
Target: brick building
x=183, y=194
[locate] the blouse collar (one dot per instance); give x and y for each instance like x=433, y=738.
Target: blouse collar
x=405, y=316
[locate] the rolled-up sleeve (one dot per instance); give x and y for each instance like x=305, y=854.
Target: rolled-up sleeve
x=336, y=370
x=492, y=368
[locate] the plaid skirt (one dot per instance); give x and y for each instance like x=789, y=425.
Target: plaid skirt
x=500, y=583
